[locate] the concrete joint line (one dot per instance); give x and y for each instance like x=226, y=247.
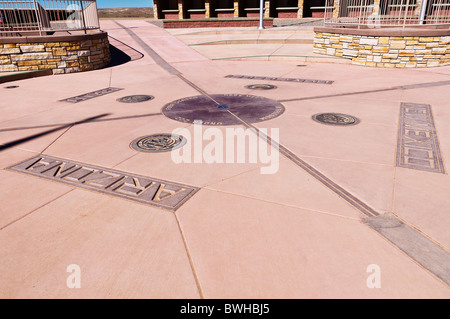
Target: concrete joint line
x=155, y=56
x=421, y=249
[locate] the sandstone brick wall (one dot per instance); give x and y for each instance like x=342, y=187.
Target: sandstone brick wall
x=386, y=51
x=62, y=54
x=254, y=22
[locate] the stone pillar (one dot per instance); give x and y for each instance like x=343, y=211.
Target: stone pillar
x=180, y=9
x=376, y=7
x=300, y=9
x=266, y=9
x=155, y=9
x=418, y=7
x=207, y=9
x=337, y=7
x=236, y=8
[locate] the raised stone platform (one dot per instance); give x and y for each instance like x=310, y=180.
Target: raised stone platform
x=59, y=53
x=412, y=47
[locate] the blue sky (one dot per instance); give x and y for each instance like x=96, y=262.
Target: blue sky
x=124, y=3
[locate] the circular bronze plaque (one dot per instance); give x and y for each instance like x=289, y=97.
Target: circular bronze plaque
x=223, y=109
x=135, y=98
x=335, y=119
x=158, y=143
x=261, y=87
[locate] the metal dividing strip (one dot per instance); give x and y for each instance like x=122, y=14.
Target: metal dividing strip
x=197, y=88
x=418, y=247
x=400, y=87
x=425, y=252
x=163, y=63
x=341, y=192
x=423, y=85
x=336, y=95
x=155, y=56
x=351, y=199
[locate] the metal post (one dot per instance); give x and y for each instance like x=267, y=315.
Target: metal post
x=423, y=9
x=261, y=14
x=405, y=15
x=38, y=17
x=82, y=16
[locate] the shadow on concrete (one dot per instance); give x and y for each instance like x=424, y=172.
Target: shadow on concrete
x=118, y=57
x=92, y=120
x=35, y=136
x=118, y=51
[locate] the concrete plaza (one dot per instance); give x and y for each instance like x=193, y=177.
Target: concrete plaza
x=343, y=216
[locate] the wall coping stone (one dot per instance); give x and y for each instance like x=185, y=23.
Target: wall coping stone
x=53, y=38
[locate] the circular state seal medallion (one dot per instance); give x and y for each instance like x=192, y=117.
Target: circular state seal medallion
x=261, y=87
x=158, y=143
x=223, y=109
x=135, y=98
x=335, y=119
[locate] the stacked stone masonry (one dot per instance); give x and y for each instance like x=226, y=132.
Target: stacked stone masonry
x=62, y=55
x=386, y=51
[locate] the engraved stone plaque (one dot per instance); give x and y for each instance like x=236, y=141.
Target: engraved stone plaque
x=143, y=189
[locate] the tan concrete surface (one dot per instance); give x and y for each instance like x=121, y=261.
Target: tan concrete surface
x=257, y=45
x=243, y=234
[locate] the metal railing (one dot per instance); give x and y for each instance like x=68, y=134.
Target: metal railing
x=385, y=13
x=22, y=17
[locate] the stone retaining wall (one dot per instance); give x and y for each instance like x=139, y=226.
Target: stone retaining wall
x=386, y=48
x=214, y=23
x=61, y=54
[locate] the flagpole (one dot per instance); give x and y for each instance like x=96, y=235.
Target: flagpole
x=261, y=14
